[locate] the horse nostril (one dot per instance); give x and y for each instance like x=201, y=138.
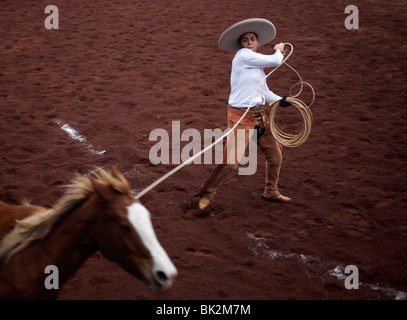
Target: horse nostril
x=161, y=276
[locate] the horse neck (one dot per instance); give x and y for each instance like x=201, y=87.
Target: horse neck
x=71, y=242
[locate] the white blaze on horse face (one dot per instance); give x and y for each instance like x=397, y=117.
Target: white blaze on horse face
x=163, y=268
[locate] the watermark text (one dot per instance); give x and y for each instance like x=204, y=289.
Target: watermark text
x=238, y=144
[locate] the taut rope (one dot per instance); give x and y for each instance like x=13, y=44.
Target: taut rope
x=287, y=139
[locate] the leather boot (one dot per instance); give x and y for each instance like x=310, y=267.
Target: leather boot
x=271, y=192
x=212, y=187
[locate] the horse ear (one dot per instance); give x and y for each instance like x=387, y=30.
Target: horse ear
x=101, y=189
x=115, y=172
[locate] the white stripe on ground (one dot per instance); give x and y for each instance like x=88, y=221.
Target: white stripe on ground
x=262, y=249
x=76, y=136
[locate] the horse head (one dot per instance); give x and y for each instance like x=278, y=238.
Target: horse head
x=125, y=233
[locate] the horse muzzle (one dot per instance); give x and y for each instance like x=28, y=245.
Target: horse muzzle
x=162, y=279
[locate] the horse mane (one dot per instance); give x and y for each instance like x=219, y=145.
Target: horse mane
x=38, y=225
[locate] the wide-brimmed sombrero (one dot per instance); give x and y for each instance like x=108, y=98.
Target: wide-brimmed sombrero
x=263, y=28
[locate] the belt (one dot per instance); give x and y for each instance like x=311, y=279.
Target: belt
x=260, y=107
x=253, y=116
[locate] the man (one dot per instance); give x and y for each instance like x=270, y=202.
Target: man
x=249, y=89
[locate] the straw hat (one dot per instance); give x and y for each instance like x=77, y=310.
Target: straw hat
x=263, y=28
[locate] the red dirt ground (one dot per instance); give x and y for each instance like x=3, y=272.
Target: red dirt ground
x=116, y=70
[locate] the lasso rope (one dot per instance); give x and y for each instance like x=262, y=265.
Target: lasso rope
x=188, y=161
x=293, y=140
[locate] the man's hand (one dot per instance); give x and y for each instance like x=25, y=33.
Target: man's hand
x=279, y=46
x=284, y=103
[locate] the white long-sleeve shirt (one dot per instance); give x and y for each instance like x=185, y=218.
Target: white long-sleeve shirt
x=247, y=72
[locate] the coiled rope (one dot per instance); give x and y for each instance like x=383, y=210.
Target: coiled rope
x=278, y=135
x=293, y=140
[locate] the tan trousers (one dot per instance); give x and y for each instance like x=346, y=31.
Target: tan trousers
x=268, y=146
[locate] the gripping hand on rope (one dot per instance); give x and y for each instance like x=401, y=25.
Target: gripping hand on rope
x=284, y=103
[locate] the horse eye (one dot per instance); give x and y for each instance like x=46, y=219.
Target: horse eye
x=115, y=190
x=124, y=227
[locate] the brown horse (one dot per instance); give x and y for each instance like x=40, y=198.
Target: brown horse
x=97, y=212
